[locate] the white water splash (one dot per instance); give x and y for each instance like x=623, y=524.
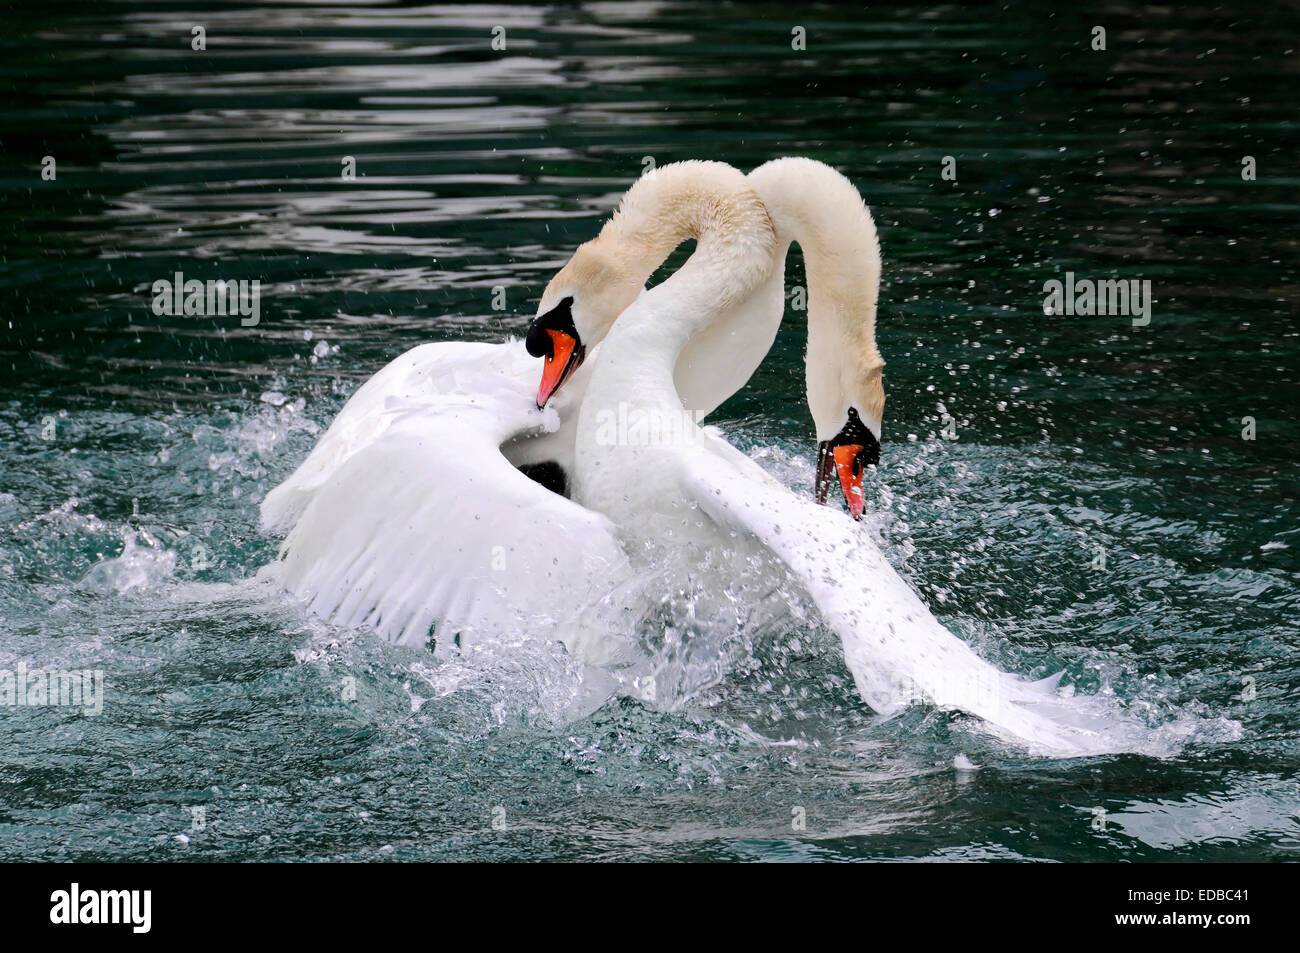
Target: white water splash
x=138, y=567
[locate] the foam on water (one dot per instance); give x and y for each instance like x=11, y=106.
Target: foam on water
x=143, y=564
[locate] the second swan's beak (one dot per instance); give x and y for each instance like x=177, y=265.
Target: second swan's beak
x=848, y=465
x=846, y=456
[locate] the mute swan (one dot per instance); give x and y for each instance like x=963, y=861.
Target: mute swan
x=416, y=507
x=694, y=499
x=811, y=203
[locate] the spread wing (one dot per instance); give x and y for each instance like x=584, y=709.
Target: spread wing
x=407, y=517
x=896, y=649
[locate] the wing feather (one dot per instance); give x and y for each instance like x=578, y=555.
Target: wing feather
x=897, y=651
x=407, y=516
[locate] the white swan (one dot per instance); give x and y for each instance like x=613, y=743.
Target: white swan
x=416, y=508
x=695, y=500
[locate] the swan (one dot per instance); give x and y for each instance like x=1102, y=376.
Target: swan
x=436, y=497
x=692, y=499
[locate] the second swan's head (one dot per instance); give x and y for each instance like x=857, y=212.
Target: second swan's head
x=812, y=204
x=846, y=394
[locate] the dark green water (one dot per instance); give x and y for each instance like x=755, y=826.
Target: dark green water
x=124, y=434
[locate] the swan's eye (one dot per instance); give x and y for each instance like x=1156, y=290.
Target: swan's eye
x=844, y=459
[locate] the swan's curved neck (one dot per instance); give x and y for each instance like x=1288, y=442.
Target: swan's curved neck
x=812, y=204
x=712, y=203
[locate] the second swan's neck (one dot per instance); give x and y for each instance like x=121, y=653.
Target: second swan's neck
x=812, y=204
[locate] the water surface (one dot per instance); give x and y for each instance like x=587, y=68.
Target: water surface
x=136, y=448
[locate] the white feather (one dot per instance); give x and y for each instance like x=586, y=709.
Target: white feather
x=897, y=651
x=407, y=516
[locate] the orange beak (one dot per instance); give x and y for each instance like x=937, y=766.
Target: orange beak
x=850, y=473
x=847, y=455
x=564, y=358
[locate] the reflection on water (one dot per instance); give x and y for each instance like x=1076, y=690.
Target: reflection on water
x=1264, y=810
x=478, y=168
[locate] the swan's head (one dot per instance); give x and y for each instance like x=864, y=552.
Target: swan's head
x=847, y=408
x=578, y=309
